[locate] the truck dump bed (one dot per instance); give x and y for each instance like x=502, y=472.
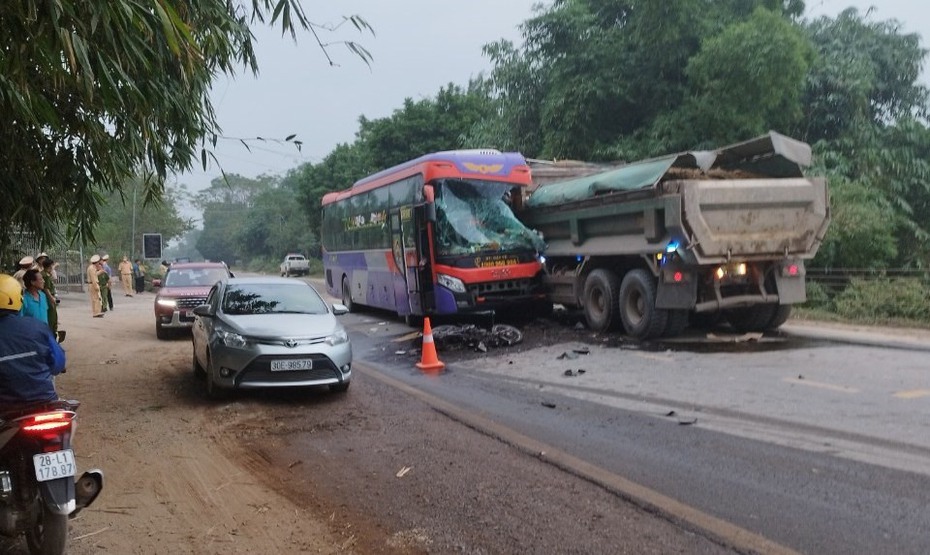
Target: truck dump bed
x=749, y=200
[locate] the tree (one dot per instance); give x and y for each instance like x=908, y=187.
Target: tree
x=744, y=81
x=96, y=93
x=114, y=230
x=866, y=74
x=594, y=72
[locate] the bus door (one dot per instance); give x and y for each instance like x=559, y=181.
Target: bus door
x=409, y=246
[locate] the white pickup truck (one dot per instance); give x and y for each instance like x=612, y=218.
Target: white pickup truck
x=295, y=264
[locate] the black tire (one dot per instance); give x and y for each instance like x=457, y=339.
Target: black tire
x=160, y=332
x=413, y=321
x=676, y=323
x=782, y=313
x=641, y=319
x=339, y=387
x=347, y=295
x=199, y=371
x=751, y=318
x=49, y=535
x=705, y=320
x=600, y=300
x=214, y=392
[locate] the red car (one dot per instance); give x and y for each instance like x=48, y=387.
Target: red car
x=183, y=288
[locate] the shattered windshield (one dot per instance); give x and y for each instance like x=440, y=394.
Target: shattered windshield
x=474, y=216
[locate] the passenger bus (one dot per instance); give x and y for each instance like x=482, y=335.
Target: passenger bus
x=434, y=236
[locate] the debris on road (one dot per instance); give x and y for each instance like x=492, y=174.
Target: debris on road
x=451, y=336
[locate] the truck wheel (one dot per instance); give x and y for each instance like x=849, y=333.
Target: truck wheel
x=782, y=313
x=347, y=295
x=676, y=323
x=751, y=318
x=705, y=320
x=641, y=318
x=600, y=300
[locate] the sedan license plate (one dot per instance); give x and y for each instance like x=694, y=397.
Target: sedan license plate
x=54, y=465
x=293, y=364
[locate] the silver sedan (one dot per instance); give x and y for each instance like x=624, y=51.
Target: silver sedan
x=262, y=332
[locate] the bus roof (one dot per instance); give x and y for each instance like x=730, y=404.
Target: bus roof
x=478, y=163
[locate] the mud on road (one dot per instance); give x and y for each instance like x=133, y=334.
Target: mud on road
x=371, y=471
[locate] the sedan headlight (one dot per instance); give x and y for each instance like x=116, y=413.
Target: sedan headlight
x=337, y=338
x=171, y=303
x=455, y=284
x=231, y=339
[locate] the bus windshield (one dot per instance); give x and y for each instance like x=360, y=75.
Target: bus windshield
x=474, y=216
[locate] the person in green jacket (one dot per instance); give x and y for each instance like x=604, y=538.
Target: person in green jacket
x=103, y=280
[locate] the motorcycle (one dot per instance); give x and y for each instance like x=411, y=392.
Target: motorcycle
x=38, y=491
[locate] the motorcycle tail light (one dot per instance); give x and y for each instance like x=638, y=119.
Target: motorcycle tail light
x=47, y=422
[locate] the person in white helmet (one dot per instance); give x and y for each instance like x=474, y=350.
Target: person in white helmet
x=93, y=286
x=25, y=263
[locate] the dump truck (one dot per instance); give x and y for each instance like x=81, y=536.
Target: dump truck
x=696, y=237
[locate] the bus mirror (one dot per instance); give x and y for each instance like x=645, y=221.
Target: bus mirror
x=430, y=212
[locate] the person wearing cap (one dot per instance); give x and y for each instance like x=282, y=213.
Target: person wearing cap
x=29, y=354
x=25, y=263
x=125, y=275
x=107, y=296
x=93, y=285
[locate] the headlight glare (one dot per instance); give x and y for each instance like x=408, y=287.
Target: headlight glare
x=167, y=302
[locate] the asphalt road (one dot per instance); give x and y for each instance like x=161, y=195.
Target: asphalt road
x=814, y=440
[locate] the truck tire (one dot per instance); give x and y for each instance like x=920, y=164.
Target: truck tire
x=600, y=300
x=676, y=323
x=751, y=318
x=782, y=313
x=641, y=319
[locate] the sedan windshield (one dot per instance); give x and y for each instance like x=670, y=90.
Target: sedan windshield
x=272, y=298
x=474, y=216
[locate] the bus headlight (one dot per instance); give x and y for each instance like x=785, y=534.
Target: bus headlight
x=451, y=283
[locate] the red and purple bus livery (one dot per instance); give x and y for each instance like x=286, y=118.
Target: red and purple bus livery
x=434, y=236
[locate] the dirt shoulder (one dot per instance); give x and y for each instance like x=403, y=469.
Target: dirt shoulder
x=175, y=480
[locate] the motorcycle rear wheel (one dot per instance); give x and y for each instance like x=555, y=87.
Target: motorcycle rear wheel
x=49, y=535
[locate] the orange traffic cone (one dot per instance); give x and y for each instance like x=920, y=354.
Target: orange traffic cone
x=429, y=362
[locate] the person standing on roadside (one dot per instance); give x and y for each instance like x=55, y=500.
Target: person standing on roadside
x=29, y=354
x=35, y=302
x=138, y=274
x=125, y=275
x=25, y=263
x=108, y=299
x=103, y=281
x=48, y=276
x=93, y=286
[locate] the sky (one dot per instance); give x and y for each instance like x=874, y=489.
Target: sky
x=419, y=46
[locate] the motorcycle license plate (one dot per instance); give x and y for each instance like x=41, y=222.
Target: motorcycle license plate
x=54, y=465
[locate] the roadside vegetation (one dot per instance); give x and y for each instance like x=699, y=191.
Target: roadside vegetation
x=593, y=80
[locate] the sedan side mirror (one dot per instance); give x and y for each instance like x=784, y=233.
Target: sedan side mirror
x=156, y=283
x=340, y=309
x=203, y=310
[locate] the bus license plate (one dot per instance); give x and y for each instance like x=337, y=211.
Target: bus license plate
x=289, y=365
x=54, y=465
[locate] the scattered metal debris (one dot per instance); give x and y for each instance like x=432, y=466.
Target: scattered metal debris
x=548, y=405
x=450, y=336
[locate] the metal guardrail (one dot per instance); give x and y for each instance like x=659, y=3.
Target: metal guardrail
x=835, y=280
